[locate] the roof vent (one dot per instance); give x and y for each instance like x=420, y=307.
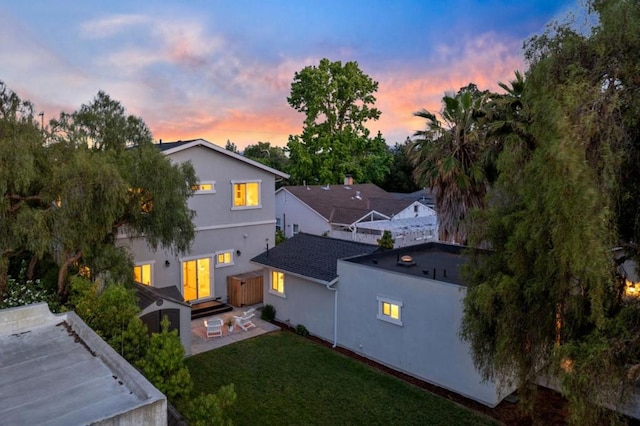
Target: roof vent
x=357, y=196
x=406, y=260
x=326, y=188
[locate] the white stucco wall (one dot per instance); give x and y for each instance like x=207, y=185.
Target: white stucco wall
x=218, y=226
x=305, y=302
x=292, y=211
x=427, y=345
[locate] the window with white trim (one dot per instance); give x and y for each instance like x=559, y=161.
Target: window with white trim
x=390, y=310
x=207, y=187
x=224, y=258
x=278, y=224
x=246, y=195
x=277, y=283
x=142, y=273
x=296, y=228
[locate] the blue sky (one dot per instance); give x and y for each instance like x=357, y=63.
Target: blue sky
x=223, y=69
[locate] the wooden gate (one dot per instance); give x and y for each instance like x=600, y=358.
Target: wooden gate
x=245, y=289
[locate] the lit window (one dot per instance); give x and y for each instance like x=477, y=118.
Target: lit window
x=143, y=198
x=196, y=278
x=631, y=289
x=204, y=188
x=224, y=258
x=277, y=283
x=390, y=310
x=142, y=273
x=246, y=194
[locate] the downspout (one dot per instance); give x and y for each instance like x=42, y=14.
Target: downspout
x=335, y=311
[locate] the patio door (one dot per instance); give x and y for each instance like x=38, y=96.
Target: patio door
x=196, y=278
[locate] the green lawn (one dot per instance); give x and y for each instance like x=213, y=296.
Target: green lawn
x=284, y=379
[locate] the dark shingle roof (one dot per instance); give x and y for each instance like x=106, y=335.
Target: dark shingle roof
x=148, y=295
x=346, y=204
x=164, y=146
x=312, y=256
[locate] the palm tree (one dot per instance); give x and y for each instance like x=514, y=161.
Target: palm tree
x=450, y=158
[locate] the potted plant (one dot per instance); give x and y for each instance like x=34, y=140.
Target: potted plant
x=229, y=324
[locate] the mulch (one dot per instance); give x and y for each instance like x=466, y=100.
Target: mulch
x=550, y=407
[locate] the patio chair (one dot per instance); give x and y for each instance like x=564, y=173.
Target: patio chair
x=244, y=321
x=214, y=327
x=250, y=311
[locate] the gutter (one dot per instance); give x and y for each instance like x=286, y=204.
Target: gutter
x=335, y=310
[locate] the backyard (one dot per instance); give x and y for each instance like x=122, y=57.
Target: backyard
x=282, y=378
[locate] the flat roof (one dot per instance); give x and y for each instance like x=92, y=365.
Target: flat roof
x=53, y=371
x=435, y=261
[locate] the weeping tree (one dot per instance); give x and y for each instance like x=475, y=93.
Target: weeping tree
x=451, y=157
x=67, y=193
x=546, y=300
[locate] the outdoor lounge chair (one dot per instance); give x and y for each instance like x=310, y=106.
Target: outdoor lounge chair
x=244, y=321
x=250, y=311
x=214, y=327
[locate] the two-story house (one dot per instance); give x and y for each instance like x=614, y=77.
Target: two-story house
x=235, y=221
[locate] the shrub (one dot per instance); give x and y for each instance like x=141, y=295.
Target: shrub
x=268, y=313
x=302, y=330
x=22, y=292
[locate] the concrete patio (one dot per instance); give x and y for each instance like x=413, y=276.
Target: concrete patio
x=200, y=343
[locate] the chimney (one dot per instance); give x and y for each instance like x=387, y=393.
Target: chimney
x=348, y=180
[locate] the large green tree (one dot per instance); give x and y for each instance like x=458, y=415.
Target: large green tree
x=337, y=100
x=272, y=156
x=546, y=299
x=67, y=194
x=451, y=156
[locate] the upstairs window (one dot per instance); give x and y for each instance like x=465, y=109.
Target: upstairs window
x=224, y=258
x=246, y=194
x=390, y=310
x=204, y=188
x=142, y=273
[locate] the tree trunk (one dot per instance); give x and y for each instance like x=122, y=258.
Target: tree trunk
x=62, y=272
x=32, y=268
x=4, y=267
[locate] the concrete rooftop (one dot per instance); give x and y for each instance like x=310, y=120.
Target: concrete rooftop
x=54, y=370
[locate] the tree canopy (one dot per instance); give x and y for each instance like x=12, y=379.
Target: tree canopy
x=272, y=156
x=547, y=298
x=337, y=100
x=96, y=173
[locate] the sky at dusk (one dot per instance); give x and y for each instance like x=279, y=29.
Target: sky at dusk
x=222, y=70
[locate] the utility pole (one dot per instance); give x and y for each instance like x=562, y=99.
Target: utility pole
x=41, y=121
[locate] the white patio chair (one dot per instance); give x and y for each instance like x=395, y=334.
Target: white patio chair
x=244, y=321
x=250, y=311
x=214, y=327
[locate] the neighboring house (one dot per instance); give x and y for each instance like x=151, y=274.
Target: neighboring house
x=235, y=221
x=57, y=371
x=401, y=307
x=300, y=276
x=356, y=212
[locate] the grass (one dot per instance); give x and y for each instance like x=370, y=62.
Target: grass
x=284, y=379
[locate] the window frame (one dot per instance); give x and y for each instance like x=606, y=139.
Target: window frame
x=205, y=191
x=141, y=264
x=233, y=194
x=295, y=229
x=223, y=264
x=275, y=291
x=388, y=318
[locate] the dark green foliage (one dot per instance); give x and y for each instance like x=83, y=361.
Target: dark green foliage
x=22, y=291
x=211, y=409
x=302, y=330
x=337, y=101
x=272, y=156
x=279, y=236
x=452, y=156
x=386, y=241
x=547, y=299
x=268, y=313
x=400, y=176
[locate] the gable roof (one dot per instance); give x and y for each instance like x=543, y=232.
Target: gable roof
x=171, y=147
x=346, y=204
x=312, y=256
x=148, y=295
